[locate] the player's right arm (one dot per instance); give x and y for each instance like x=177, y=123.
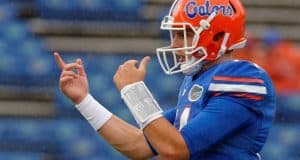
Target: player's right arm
x=124, y=137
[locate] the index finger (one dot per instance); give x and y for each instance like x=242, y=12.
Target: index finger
x=60, y=62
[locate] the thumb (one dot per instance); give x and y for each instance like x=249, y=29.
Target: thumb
x=80, y=70
x=143, y=64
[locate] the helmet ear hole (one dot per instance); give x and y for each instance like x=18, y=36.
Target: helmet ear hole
x=218, y=36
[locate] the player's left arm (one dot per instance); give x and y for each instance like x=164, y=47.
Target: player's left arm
x=165, y=139
x=198, y=135
x=220, y=118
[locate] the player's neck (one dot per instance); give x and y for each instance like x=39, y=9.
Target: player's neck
x=223, y=58
x=210, y=64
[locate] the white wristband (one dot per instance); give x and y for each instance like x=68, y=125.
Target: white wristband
x=141, y=103
x=96, y=114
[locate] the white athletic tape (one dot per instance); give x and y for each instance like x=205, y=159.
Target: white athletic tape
x=96, y=114
x=141, y=103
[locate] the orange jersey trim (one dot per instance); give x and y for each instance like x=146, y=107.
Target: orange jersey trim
x=248, y=96
x=252, y=97
x=238, y=79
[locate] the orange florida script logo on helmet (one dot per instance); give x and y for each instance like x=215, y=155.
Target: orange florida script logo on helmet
x=192, y=9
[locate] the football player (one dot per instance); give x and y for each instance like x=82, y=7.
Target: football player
x=225, y=107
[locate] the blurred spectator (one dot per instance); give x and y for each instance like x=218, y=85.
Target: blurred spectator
x=283, y=66
x=252, y=52
x=281, y=59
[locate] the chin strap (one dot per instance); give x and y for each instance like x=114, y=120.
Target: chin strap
x=205, y=23
x=223, y=47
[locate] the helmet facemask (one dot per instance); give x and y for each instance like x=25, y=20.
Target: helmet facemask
x=170, y=58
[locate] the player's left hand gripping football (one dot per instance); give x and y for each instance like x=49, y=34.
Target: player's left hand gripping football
x=129, y=73
x=73, y=85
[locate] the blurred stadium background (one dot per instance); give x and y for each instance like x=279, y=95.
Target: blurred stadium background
x=38, y=123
